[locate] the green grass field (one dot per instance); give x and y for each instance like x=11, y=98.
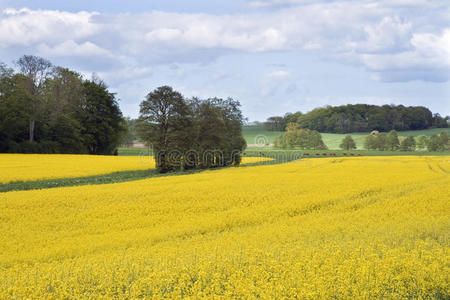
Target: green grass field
x=332, y=140
x=258, y=135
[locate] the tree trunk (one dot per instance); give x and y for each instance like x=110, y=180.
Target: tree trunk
x=31, y=136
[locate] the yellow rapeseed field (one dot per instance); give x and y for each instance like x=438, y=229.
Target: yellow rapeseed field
x=26, y=167
x=343, y=228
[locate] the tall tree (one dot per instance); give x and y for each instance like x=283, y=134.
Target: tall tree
x=164, y=117
x=36, y=70
x=101, y=118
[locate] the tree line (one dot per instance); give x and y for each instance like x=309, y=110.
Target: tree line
x=360, y=118
x=191, y=133
x=390, y=141
x=51, y=109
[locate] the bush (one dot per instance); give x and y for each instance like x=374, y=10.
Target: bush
x=348, y=143
x=408, y=144
x=301, y=138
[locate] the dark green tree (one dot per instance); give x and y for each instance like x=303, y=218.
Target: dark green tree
x=101, y=118
x=164, y=122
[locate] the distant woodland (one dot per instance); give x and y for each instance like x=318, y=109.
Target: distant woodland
x=360, y=118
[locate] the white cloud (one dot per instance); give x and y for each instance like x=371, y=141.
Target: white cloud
x=26, y=27
x=71, y=48
x=382, y=36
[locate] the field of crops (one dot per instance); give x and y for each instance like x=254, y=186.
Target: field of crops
x=26, y=167
x=32, y=167
x=315, y=229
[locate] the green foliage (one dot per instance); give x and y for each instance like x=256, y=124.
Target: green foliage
x=408, y=144
x=191, y=134
x=128, y=135
x=275, y=124
x=370, y=143
x=443, y=136
x=376, y=141
x=361, y=118
x=300, y=138
x=381, y=142
x=392, y=141
x=53, y=110
x=101, y=118
x=434, y=143
x=438, y=142
x=348, y=143
x=422, y=141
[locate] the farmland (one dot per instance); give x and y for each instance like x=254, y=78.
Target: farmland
x=28, y=172
x=355, y=227
x=20, y=167
x=257, y=134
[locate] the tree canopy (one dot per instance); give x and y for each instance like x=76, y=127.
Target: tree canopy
x=50, y=109
x=191, y=133
x=361, y=118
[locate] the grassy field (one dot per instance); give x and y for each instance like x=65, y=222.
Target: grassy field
x=332, y=140
x=331, y=228
x=258, y=135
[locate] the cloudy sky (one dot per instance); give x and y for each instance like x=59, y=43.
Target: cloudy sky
x=274, y=56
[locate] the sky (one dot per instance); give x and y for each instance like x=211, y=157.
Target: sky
x=274, y=56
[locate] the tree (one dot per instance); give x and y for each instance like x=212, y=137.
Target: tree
x=301, y=138
x=434, y=143
x=370, y=143
x=36, y=70
x=275, y=124
x=408, y=144
x=101, y=118
x=291, y=126
x=348, y=143
x=363, y=118
x=194, y=133
x=381, y=142
x=46, y=109
x=219, y=135
x=164, y=116
x=128, y=135
x=443, y=136
x=422, y=141
x=392, y=141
